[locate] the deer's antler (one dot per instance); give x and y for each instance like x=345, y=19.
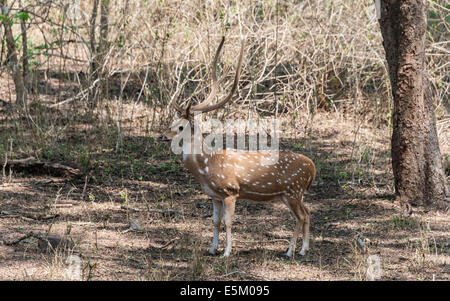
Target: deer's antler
x=205, y=105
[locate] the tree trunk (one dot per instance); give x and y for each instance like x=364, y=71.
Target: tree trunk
x=12, y=57
x=99, y=49
x=92, y=38
x=416, y=158
x=103, y=48
x=25, y=56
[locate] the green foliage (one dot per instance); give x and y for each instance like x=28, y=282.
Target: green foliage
x=5, y=19
x=403, y=223
x=24, y=16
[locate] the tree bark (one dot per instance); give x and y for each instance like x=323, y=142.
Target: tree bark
x=92, y=39
x=12, y=57
x=416, y=159
x=103, y=47
x=99, y=49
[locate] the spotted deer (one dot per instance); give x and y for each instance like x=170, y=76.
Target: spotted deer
x=232, y=175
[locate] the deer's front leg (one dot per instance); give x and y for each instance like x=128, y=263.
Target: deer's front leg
x=228, y=206
x=217, y=219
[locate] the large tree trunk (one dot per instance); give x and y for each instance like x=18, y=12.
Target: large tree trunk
x=416, y=158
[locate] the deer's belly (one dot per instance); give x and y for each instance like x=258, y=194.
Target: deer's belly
x=259, y=196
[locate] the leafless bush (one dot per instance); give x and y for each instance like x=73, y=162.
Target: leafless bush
x=300, y=55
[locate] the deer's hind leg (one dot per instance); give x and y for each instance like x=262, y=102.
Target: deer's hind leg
x=295, y=206
x=228, y=215
x=305, y=245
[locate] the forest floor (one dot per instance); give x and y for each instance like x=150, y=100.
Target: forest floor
x=139, y=215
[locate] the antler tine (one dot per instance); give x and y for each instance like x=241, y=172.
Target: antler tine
x=175, y=105
x=173, y=101
x=216, y=83
x=201, y=107
x=216, y=56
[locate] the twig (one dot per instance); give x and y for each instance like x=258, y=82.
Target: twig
x=166, y=211
x=34, y=216
x=162, y=211
x=31, y=234
x=83, y=93
x=234, y=272
x=261, y=242
x=83, y=194
x=64, y=205
x=167, y=244
x=6, y=214
x=39, y=217
x=130, y=208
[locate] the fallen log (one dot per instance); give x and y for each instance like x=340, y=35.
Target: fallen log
x=33, y=166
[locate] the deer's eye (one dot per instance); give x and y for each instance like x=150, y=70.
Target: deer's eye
x=180, y=128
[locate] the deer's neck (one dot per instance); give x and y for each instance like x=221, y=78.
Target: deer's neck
x=195, y=157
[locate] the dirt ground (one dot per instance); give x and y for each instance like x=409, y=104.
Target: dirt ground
x=139, y=215
x=136, y=214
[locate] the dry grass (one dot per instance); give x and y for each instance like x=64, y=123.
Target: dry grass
x=316, y=65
